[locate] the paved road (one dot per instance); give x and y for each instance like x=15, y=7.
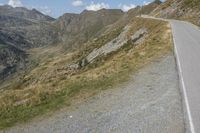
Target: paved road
x=187, y=47
x=149, y=103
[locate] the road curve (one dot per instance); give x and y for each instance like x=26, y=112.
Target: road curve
x=187, y=48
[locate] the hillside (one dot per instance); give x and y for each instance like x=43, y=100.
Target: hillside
x=188, y=10
x=60, y=76
x=79, y=28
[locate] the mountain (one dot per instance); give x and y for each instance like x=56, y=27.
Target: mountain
x=21, y=29
x=21, y=12
x=24, y=23
x=78, y=28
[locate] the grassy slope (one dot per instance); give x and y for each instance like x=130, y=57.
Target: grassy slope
x=192, y=3
x=193, y=17
x=50, y=86
x=187, y=10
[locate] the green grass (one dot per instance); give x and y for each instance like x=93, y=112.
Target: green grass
x=11, y=115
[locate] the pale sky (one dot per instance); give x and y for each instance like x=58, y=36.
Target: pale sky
x=56, y=8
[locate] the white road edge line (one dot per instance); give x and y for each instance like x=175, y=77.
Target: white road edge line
x=192, y=130
x=191, y=125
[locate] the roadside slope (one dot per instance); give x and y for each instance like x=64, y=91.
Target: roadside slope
x=188, y=10
x=148, y=102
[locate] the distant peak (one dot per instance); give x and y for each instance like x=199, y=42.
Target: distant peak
x=111, y=10
x=103, y=10
x=157, y=2
x=86, y=11
x=36, y=11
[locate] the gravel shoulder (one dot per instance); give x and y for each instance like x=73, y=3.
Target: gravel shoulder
x=150, y=102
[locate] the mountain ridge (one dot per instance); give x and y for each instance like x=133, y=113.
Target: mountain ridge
x=22, y=12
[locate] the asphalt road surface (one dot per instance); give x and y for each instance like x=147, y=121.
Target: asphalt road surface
x=187, y=47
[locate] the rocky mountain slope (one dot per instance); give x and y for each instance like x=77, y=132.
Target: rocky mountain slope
x=12, y=59
x=188, y=10
x=21, y=29
x=78, y=28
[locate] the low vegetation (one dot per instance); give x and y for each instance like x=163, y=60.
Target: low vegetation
x=187, y=10
x=192, y=3
x=51, y=85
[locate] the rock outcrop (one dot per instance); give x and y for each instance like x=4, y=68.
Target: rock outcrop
x=137, y=38
x=111, y=46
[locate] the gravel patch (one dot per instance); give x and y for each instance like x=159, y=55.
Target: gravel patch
x=149, y=103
